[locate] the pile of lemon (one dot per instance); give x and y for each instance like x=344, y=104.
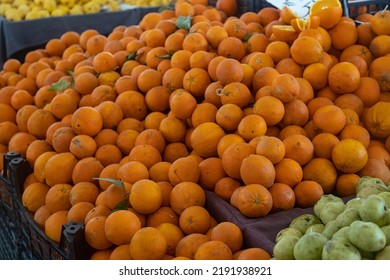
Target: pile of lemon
x=17, y=10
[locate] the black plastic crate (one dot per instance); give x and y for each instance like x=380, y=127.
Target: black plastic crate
x=9, y=216
x=22, y=239
x=351, y=8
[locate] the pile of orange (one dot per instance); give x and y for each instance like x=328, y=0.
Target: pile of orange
x=126, y=131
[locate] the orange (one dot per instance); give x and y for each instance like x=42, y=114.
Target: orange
x=189, y=244
x=39, y=121
x=146, y=154
x=329, y=118
x=79, y=211
x=204, y=112
x=104, y=254
x=57, y=198
x=355, y=131
x=166, y=189
x=344, y=77
x=235, y=27
x=87, y=120
x=232, y=47
x=271, y=147
x=253, y=254
x=233, y=156
x=254, y=201
x=86, y=169
x=378, y=69
x=35, y=149
x=343, y=34
x=121, y=252
x=146, y=196
x=104, y=62
x=213, y=250
x=225, y=188
x=349, y=155
x=184, y=169
x=98, y=210
x=226, y=141
x=164, y=214
x=288, y=171
x=299, y=148
x=7, y=130
x=285, y=87
x=132, y=104
x=94, y=233
x=296, y=112
x=148, y=243
x=229, y=70
x=283, y=197
x=257, y=42
x=228, y=7
x=230, y=234
x=58, y=169
x=205, y=138
x=113, y=196
x=211, y=171
x=350, y=101
x=196, y=81
x=270, y=108
x=215, y=34
x=53, y=225
x=346, y=184
x=62, y=138
x=159, y=171
x=316, y=74
x=83, y=192
x=322, y=171
x=323, y=144
x=258, y=60
x=307, y=193
x=377, y=169
x=194, y=219
x=283, y=33
x=329, y=12
x=174, y=151
x=380, y=22
x=186, y=194
x=362, y=91
x=289, y=66
x=121, y=226
x=235, y=93
x=148, y=79
x=264, y=77
x=172, y=234
x=306, y=50
x=41, y=215
x=257, y=169
x=278, y=50
x=82, y=146
x=33, y=196
x=182, y=104
x=228, y=116
x=173, y=78
x=251, y=126
x=201, y=59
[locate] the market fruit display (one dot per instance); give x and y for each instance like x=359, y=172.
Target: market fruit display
x=17, y=10
x=148, y=118
x=339, y=230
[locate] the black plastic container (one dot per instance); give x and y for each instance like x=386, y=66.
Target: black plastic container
x=21, y=237
x=351, y=8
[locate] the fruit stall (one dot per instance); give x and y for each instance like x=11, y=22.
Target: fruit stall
x=227, y=129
